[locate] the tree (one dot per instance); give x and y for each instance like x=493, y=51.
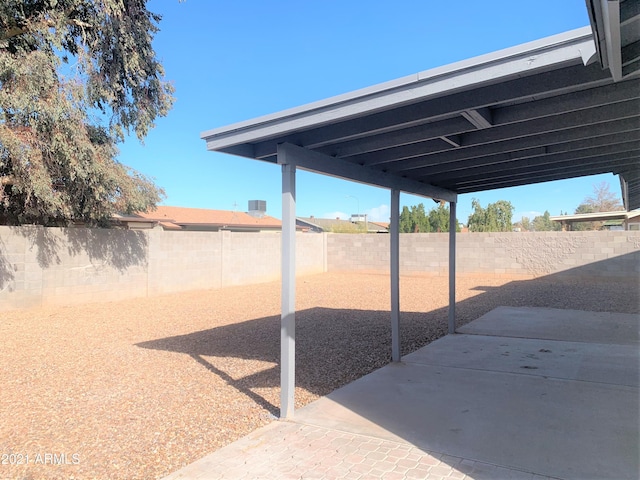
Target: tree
x=543, y=223
x=602, y=200
x=414, y=219
x=495, y=218
x=405, y=222
x=439, y=218
x=76, y=76
x=581, y=226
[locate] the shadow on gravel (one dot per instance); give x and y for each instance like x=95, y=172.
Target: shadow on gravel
x=333, y=347
x=337, y=346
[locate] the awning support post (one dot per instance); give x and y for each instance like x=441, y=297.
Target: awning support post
x=288, y=299
x=452, y=267
x=395, y=275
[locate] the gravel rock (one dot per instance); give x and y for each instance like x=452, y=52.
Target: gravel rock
x=140, y=388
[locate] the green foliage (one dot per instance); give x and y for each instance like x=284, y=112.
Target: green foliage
x=543, y=223
x=415, y=219
x=439, y=218
x=582, y=226
x=495, y=218
x=58, y=131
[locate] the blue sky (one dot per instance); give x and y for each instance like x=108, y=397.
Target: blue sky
x=235, y=60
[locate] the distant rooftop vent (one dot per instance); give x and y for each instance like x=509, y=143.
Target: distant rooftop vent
x=257, y=208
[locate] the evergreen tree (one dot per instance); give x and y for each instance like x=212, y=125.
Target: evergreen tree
x=439, y=218
x=416, y=220
x=76, y=76
x=495, y=218
x=405, y=220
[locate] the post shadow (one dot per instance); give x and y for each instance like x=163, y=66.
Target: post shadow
x=337, y=346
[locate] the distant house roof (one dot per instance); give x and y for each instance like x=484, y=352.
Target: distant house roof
x=326, y=224
x=380, y=225
x=183, y=218
x=338, y=225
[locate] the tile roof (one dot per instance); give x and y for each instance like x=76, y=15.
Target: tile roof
x=384, y=225
x=172, y=217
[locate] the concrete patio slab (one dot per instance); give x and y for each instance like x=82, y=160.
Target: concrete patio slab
x=554, y=427
x=476, y=406
x=556, y=324
x=588, y=362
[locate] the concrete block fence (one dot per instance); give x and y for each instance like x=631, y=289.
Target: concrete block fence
x=56, y=266
x=517, y=254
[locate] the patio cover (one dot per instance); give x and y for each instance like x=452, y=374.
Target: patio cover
x=542, y=111
x=527, y=114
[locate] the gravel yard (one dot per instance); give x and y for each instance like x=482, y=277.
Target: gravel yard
x=140, y=388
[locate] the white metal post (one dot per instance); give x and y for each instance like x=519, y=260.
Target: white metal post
x=452, y=267
x=288, y=315
x=395, y=275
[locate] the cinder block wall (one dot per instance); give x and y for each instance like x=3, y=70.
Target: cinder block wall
x=55, y=266
x=20, y=274
x=44, y=266
x=528, y=254
x=181, y=261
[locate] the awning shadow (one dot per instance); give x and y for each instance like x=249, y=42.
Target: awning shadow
x=335, y=347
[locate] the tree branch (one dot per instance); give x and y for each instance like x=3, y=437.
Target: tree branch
x=6, y=34
x=11, y=32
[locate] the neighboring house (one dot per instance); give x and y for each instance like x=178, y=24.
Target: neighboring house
x=613, y=225
x=379, y=227
x=201, y=219
x=318, y=225
x=627, y=220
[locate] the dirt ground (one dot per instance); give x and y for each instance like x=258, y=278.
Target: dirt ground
x=139, y=388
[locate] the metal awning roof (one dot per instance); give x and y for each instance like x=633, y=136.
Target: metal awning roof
x=542, y=111
x=546, y=110
x=616, y=31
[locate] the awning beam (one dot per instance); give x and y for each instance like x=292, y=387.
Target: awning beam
x=324, y=164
